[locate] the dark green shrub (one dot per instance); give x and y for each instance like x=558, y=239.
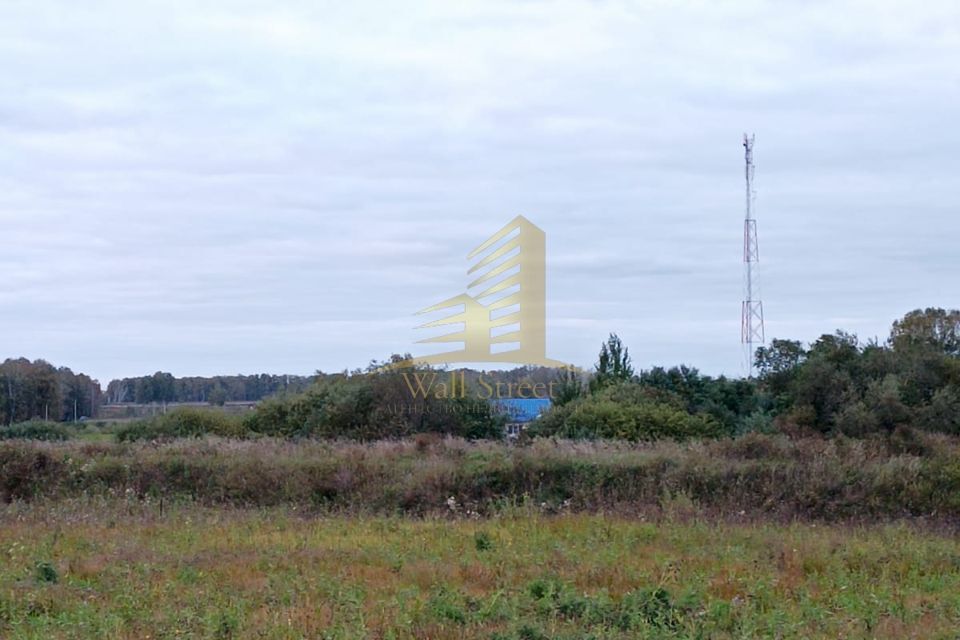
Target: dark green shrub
x=943, y=412
x=756, y=422
x=369, y=407
x=856, y=420
x=35, y=430
x=544, y=588
x=482, y=541
x=529, y=632
x=884, y=399
x=625, y=413
x=45, y=572
x=447, y=605
x=183, y=423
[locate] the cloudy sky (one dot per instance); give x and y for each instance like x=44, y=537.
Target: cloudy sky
x=203, y=187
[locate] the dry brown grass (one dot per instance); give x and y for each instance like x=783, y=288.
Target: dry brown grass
x=754, y=477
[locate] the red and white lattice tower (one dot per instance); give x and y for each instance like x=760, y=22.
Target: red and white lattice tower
x=751, y=324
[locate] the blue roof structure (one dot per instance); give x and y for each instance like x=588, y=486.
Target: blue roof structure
x=521, y=409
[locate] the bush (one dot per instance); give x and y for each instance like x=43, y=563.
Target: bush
x=625, y=413
x=756, y=422
x=883, y=398
x=45, y=572
x=482, y=541
x=856, y=420
x=369, y=407
x=943, y=412
x=183, y=423
x=35, y=430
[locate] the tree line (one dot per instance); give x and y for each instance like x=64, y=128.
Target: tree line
x=842, y=384
x=837, y=384
x=31, y=390
x=38, y=390
x=165, y=388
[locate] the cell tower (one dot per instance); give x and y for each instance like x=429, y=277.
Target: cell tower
x=751, y=324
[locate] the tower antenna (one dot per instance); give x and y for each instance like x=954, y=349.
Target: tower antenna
x=751, y=324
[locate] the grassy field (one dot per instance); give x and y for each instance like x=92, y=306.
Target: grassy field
x=119, y=568
x=760, y=536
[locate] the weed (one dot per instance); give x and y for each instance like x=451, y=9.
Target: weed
x=45, y=572
x=482, y=541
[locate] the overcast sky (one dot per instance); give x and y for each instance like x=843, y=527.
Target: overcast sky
x=277, y=187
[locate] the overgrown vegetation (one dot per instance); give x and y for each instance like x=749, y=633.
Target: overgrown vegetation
x=906, y=475
x=183, y=423
x=196, y=523
x=837, y=385
x=35, y=430
x=374, y=405
x=628, y=412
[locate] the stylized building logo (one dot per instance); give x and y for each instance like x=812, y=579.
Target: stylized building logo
x=503, y=312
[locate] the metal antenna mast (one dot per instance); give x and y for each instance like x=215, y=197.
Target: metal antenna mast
x=751, y=324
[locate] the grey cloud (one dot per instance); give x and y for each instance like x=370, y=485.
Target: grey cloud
x=252, y=186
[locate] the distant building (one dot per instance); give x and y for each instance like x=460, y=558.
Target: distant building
x=520, y=412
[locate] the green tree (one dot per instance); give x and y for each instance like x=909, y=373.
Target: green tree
x=218, y=396
x=614, y=364
x=934, y=328
x=777, y=364
x=820, y=390
x=569, y=387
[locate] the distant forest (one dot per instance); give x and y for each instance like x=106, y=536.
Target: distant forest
x=164, y=387
x=40, y=390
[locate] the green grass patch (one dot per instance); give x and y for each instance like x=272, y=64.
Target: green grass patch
x=102, y=569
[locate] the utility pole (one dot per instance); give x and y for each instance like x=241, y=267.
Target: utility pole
x=751, y=322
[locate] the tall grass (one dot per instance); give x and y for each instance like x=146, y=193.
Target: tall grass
x=752, y=476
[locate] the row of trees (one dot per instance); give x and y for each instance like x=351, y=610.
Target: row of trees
x=37, y=389
x=835, y=385
x=164, y=387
